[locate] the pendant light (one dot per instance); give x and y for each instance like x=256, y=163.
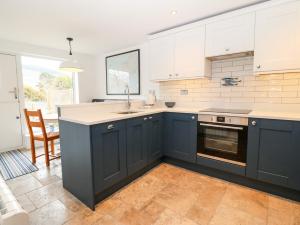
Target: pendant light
x=71, y=65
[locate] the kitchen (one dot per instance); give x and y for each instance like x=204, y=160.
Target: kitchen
x=197, y=124
x=253, y=136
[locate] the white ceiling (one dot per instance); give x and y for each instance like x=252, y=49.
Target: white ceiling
x=99, y=25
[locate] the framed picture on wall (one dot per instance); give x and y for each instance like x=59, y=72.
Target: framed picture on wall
x=123, y=70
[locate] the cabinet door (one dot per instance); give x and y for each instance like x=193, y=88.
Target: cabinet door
x=270, y=151
x=161, y=53
x=277, y=38
x=295, y=171
x=137, y=142
x=189, y=53
x=230, y=36
x=109, y=154
x=155, y=137
x=181, y=136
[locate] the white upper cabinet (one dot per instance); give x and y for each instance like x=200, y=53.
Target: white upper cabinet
x=277, y=38
x=189, y=59
x=179, y=55
x=233, y=35
x=161, y=58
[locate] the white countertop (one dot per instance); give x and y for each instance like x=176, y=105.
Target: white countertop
x=104, y=117
x=294, y=116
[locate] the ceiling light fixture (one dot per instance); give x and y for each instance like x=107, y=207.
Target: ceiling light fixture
x=72, y=64
x=174, y=12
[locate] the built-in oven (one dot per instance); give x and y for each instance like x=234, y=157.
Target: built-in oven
x=223, y=138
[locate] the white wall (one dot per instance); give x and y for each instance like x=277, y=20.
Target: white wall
x=145, y=82
x=86, y=79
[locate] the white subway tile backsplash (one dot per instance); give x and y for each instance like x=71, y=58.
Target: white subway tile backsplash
x=232, y=68
x=241, y=100
x=248, y=67
x=291, y=100
x=291, y=76
x=256, y=94
x=259, y=89
x=290, y=88
x=270, y=77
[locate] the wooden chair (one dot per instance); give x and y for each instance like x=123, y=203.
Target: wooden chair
x=45, y=137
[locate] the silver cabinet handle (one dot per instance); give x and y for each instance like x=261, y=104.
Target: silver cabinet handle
x=145, y=118
x=258, y=66
x=170, y=75
x=110, y=127
x=176, y=75
x=150, y=117
x=226, y=49
x=253, y=123
x=193, y=117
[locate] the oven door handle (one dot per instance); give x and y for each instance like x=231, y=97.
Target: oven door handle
x=221, y=126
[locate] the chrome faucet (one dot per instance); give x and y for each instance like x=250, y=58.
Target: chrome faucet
x=128, y=97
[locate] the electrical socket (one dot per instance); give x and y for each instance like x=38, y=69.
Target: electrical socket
x=184, y=92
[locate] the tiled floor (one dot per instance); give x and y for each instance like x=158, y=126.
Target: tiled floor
x=167, y=195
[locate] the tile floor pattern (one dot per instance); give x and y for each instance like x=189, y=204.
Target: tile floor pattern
x=166, y=195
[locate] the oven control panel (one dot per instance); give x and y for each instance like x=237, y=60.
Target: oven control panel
x=235, y=120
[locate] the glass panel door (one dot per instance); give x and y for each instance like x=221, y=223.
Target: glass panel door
x=220, y=139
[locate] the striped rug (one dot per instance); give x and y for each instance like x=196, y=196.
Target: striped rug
x=14, y=164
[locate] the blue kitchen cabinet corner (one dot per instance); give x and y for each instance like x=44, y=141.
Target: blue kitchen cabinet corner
x=274, y=151
x=180, y=133
x=109, y=154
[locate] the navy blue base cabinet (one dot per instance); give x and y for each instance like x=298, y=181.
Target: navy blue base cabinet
x=137, y=140
x=109, y=154
x=180, y=136
x=144, y=141
x=98, y=160
x=155, y=137
x=274, y=152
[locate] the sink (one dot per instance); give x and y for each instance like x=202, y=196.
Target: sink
x=128, y=112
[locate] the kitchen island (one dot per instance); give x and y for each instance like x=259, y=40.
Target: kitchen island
x=104, y=147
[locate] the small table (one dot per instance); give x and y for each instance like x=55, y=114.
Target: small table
x=51, y=118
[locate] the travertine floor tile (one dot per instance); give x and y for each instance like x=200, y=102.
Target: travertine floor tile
x=54, y=213
x=277, y=217
x=84, y=218
x=46, y=176
x=169, y=217
x=23, y=184
x=71, y=202
x=178, y=199
x=26, y=204
x=107, y=220
x=166, y=195
x=251, y=201
x=206, y=204
x=46, y=194
x=142, y=191
x=226, y=215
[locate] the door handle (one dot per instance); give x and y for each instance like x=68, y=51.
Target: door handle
x=221, y=126
x=15, y=92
